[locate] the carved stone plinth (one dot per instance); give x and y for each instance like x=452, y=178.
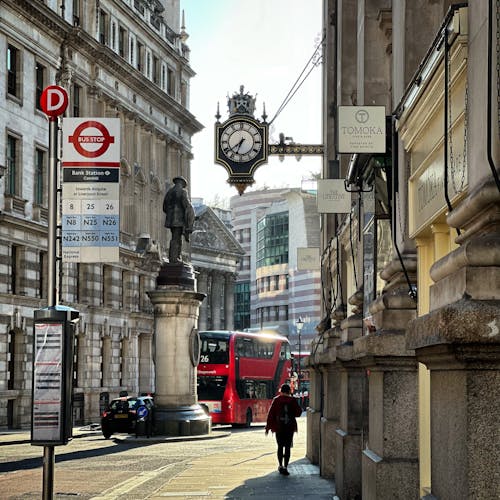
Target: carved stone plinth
x=176, y=353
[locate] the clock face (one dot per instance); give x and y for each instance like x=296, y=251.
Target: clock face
x=241, y=141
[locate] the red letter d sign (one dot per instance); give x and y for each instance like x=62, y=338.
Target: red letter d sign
x=54, y=100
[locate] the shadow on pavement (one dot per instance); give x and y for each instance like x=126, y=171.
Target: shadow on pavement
x=300, y=484
x=33, y=463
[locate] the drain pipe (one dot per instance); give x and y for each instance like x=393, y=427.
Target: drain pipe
x=446, y=124
x=489, y=146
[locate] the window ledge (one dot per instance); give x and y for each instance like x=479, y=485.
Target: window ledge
x=14, y=204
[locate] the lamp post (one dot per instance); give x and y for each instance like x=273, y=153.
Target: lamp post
x=298, y=325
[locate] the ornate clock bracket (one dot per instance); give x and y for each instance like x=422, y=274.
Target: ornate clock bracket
x=241, y=142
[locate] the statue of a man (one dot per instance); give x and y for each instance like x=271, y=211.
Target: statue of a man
x=179, y=217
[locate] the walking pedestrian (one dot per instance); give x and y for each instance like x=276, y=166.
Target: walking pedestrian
x=281, y=420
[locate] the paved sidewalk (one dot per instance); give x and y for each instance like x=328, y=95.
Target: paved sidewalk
x=246, y=475
x=250, y=474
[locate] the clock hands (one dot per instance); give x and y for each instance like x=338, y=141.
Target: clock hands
x=238, y=146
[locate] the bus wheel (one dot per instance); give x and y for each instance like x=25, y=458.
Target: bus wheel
x=248, y=420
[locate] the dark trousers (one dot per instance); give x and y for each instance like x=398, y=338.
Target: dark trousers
x=285, y=443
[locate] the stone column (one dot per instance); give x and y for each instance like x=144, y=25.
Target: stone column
x=348, y=435
x=459, y=339
x=216, y=300
x=330, y=421
x=202, y=283
x=229, y=301
x=314, y=416
x=390, y=457
x=391, y=447
x=176, y=353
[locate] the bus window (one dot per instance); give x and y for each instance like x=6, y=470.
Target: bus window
x=214, y=350
x=246, y=389
x=211, y=388
x=285, y=352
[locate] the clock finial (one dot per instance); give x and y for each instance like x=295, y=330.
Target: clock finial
x=264, y=115
x=217, y=116
x=241, y=103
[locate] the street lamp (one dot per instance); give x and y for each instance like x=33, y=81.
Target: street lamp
x=298, y=325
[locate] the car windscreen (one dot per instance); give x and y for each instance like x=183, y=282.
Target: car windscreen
x=211, y=388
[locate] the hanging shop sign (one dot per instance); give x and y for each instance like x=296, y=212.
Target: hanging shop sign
x=90, y=190
x=308, y=259
x=333, y=197
x=361, y=129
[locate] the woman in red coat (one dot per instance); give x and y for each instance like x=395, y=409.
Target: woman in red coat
x=281, y=420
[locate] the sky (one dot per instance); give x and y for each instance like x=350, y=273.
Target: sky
x=264, y=45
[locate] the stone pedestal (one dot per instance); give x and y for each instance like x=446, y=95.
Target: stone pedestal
x=348, y=436
x=314, y=417
x=390, y=455
x=176, y=353
x=330, y=420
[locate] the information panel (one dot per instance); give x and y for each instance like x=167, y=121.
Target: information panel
x=47, y=382
x=91, y=190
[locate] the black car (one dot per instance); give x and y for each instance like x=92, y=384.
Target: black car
x=128, y=414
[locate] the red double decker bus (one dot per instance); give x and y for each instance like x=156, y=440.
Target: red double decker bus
x=240, y=373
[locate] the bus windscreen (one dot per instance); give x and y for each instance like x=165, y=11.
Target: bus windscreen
x=214, y=350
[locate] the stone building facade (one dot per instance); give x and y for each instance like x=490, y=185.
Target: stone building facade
x=405, y=364
x=126, y=60
x=215, y=254
x=272, y=291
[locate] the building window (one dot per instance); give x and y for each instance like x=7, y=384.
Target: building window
x=170, y=82
x=140, y=56
x=242, y=305
x=77, y=90
x=11, y=363
x=155, y=69
x=103, y=25
x=12, y=181
x=13, y=71
x=148, y=65
x=43, y=270
x=122, y=41
x=76, y=12
x=40, y=84
x=113, y=36
x=272, y=240
x=163, y=82
x=132, y=51
x=40, y=170
x=14, y=266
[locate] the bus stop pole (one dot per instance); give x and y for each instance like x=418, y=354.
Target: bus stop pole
x=48, y=451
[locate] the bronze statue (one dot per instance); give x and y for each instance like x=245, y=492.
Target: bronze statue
x=179, y=217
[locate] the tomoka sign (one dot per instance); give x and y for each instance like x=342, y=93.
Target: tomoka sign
x=361, y=129
x=54, y=100
x=91, y=190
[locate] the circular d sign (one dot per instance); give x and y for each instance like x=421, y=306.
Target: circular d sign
x=54, y=100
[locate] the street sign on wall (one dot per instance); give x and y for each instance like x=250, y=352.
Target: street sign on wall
x=90, y=190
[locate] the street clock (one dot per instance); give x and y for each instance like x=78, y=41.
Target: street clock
x=241, y=142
